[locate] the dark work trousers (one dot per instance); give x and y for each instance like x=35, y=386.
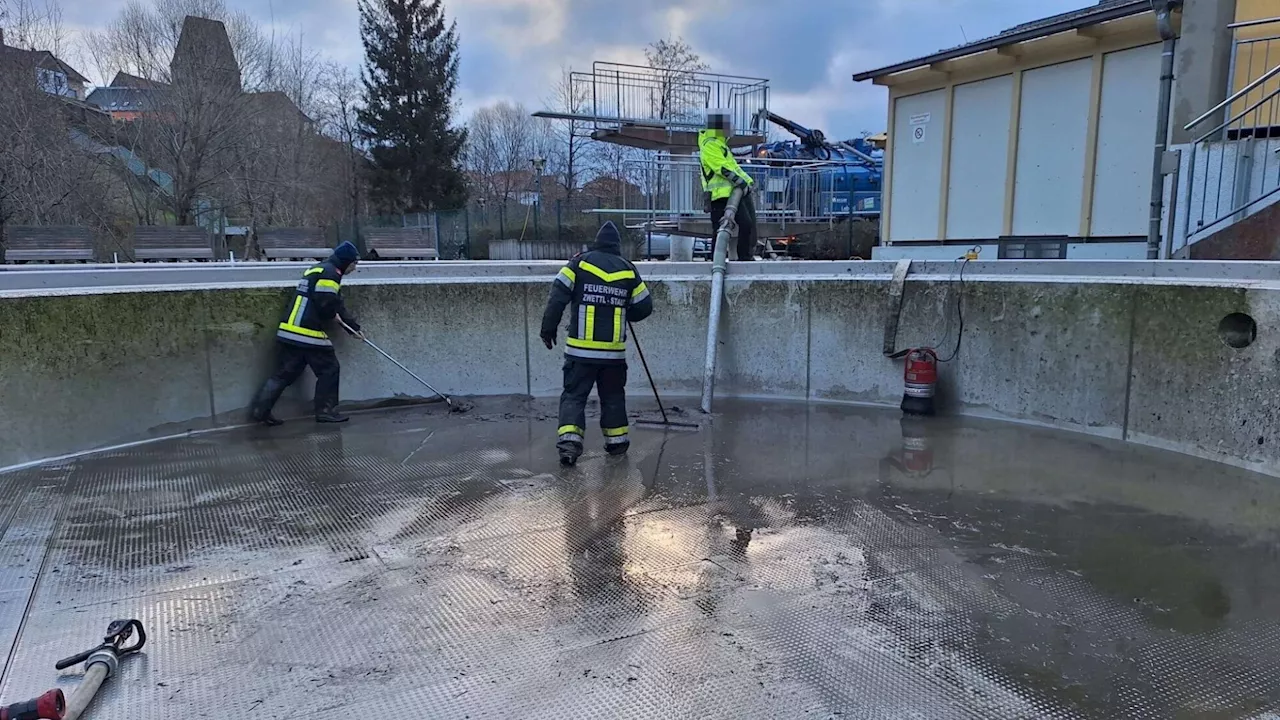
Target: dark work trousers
x=610, y=381
x=292, y=359
x=746, y=218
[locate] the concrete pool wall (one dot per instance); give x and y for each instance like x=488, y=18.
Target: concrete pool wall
x=101, y=355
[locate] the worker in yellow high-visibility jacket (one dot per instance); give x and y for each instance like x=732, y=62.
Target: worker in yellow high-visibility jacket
x=720, y=175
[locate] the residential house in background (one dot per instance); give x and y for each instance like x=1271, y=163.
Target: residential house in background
x=126, y=98
x=277, y=108
x=605, y=191
x=52, y=75
x=202, y=59
x=259, y=164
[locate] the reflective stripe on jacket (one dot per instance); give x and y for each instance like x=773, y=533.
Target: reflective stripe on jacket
x=719, y=166
x=603, y=291
x=316, y=300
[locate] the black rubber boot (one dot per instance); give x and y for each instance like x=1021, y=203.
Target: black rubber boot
x=330, y=414
x=569, y=452
x=619, y=449
x=260, y=411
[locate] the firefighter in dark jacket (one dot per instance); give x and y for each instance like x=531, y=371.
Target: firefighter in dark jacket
x=302, y=339
x=603, y=292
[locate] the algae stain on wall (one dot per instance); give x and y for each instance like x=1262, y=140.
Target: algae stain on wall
x=75, y=333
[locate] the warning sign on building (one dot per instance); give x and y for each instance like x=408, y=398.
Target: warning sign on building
x=918, y=134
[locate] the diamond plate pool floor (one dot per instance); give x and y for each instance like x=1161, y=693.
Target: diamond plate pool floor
x=787, y=561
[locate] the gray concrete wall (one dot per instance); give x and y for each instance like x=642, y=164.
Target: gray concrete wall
x=1116, y=349
x=1203, y=63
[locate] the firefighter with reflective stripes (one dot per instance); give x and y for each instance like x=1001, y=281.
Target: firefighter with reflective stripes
x=721, y=173
x=303, y=341
x=603, y=292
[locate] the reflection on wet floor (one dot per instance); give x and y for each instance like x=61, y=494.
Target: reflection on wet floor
x=788, y=561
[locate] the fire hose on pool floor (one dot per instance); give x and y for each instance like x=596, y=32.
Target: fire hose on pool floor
x=100, y=664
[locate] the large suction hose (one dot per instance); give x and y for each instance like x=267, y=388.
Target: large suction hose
x=719, y=264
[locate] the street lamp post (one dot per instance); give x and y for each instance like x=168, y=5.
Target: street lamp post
x=538, y=163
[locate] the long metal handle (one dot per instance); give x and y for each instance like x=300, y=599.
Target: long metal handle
x=400, y=365
x=648, y=374
x=396, y=362
x=1253, y=23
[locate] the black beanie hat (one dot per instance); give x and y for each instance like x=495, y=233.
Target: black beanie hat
x=608, y=238
x=344, y=255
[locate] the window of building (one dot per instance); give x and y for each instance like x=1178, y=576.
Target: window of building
x=53, y=82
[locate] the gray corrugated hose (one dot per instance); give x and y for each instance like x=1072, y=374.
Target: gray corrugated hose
x=719, y=264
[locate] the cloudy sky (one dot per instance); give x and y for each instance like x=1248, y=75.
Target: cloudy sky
x=514, y=49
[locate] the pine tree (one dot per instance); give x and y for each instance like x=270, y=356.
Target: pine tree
x=410, y=76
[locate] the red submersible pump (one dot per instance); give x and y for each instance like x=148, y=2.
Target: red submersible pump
x=920, y=380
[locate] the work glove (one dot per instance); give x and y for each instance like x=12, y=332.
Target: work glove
x=353, y=329
x=730, y=225
x=549, y=341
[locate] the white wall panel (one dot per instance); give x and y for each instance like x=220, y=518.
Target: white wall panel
x=1052, y=133
x=1126, y=140
x=979, y=155
x=918, y=126
x=1107, y=250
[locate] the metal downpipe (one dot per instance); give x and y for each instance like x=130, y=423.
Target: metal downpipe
x=1164, y=20
x=719, y=263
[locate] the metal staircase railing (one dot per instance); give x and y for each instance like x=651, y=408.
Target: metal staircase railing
x=789, y=194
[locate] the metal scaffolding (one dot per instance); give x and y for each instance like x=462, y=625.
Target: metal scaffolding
x=661, y=109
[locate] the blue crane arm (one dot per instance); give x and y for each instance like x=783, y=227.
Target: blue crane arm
x=815, y=141
x=807, y=136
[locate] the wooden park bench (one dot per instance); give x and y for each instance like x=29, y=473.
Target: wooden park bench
x=52, y=243
x=293, y=244
x=392, y=243
x=168, y=242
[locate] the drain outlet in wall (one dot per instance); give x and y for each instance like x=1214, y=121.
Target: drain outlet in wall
x=1238, y=330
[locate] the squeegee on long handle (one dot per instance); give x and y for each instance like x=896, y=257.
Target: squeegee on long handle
x=396, y=362
x=666, y=422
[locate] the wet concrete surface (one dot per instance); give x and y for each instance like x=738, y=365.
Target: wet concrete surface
x=786, y=561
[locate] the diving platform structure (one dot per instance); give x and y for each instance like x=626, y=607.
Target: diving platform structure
x=661, y=109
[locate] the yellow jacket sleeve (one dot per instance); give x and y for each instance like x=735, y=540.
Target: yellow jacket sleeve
x=717, y=160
